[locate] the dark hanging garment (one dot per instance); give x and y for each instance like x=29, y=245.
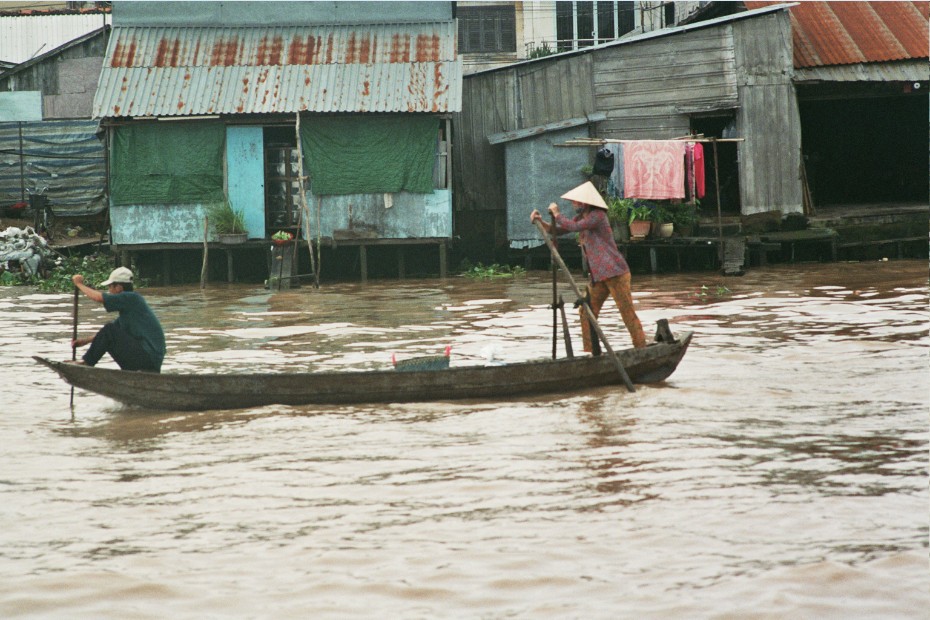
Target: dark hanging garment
x=604, y=162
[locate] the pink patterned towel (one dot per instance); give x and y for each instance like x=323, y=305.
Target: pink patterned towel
x=654, y=169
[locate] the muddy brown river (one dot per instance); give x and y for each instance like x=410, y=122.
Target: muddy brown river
x=781, y=472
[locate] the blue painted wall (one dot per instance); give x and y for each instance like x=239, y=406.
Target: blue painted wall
x=394, y=216
x=245, y=176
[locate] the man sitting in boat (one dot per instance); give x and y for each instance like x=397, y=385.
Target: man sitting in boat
x=135, y=339
x=609, y=271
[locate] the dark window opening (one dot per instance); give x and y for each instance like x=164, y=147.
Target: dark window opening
x=584, y=23
x=487, y=29
x=669, y=8
x=282, y=182
x=564, y=25
x=605, y=21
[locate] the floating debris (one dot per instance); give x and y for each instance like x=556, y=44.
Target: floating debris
x=24, y=251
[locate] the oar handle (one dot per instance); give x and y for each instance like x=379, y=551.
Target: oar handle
x=555, y=296
x=594, y=324
x=74, y=323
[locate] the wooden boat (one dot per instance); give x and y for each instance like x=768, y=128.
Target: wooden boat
x=199, y=392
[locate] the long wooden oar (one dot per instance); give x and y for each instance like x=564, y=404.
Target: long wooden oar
x=591, y=317
x=74, y=324
x=555, y=294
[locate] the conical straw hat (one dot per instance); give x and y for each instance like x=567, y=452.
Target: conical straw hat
x=586, y=193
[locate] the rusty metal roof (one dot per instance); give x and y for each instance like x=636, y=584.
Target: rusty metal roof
x=159, y=71
x=842, y=33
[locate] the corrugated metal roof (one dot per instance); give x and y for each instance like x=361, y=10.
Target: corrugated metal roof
x=901, y=71
x=842, y=33
x=190, y=71
x=25, y=36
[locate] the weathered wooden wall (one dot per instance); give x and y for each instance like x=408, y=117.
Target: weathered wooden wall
x=517, y=97
x=650, y=88
x=768, y=118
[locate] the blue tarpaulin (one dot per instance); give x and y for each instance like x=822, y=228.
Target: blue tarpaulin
x=64, y=156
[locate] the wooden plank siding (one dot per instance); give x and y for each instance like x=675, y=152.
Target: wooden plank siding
x=768, y=118
x=526, y=95
x=649, y=89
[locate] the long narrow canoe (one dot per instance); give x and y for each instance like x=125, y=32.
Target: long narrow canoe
x=199, y=392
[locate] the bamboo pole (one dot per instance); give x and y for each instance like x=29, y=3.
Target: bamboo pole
x=720, y=251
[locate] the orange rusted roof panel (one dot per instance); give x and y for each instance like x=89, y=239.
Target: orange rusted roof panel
x=162, y=71
x=843, y=33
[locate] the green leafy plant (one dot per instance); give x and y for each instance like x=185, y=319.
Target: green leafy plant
x=225, y=220
x=719, y=291
x=282, y=235
x=541, y=50
x=684, y=214
x=619, y=210
x=642, y=211
x=95, y=268
x=482, y=272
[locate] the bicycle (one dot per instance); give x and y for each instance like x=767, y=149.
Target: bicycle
x=42, y=215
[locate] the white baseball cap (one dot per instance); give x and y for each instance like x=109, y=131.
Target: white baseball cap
x=120, y=275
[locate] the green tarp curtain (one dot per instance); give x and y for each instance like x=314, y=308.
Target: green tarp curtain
x=370, y=155
x=167, y=163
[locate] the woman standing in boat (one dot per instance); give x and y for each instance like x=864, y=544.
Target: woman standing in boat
x=135, y=339
x=610, y=274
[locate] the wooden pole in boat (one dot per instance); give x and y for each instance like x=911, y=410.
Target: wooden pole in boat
x=555, y=293
x=206, y=248
x=74, y=325
x=720, y=251
x=591, y=317
x=568, y=337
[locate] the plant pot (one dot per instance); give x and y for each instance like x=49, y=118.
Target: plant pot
x=233, y=238
x=639, y=229
x=665, y=230
x=282, y=241
x=621, y=232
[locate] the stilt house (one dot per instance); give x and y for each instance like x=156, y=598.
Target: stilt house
x=204, y=102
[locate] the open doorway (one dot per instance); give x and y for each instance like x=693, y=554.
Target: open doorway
x=282, y=180
x=863, y=150
x=721, y=125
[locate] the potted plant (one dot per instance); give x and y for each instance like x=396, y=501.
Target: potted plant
x=640, y=219
x=282, y=237
x=618, y=214
x=663, y=215
x=685, y=218
x=228, y=223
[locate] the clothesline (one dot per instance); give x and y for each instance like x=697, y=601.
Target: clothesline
x=691, y=181
x=600, y=141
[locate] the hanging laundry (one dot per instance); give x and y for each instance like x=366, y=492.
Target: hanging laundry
x=699, y=169
x=654, y=169
x=615, y=180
